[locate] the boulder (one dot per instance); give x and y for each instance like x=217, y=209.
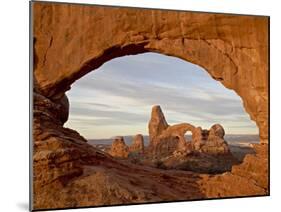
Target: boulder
x=198, y=138
x=166, y=139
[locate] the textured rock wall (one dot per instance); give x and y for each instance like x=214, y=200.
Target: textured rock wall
x=71, y=40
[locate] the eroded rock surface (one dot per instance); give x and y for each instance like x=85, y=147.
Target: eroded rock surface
x=171, y=139
x=157, y=124
x=210, y=141
x=138, y=145
x=251, y=177
x=119, y=148
x=207, y=152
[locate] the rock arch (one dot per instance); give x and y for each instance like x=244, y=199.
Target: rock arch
x=72, y=40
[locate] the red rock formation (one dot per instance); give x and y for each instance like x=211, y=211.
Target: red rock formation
x=165, y=139
x=170, y=139
x=137, y=145
x=250, y=177
x=67, y=172
x=216, y=131
x=255, y=167
x=210, y=141
x=118, y=148
x=157, y=124
x=208, y=152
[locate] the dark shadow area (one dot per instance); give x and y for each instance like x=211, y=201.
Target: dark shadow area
x=240, y=152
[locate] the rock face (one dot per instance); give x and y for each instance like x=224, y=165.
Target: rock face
x=118, y=148
x=208, y=152
x=165, y=139
x=137, y=145
x=68, y=172
x=157, y=124
x=255, y=166
x=172, y=139
x=251, y=177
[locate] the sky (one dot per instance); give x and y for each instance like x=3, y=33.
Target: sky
x=116, y=99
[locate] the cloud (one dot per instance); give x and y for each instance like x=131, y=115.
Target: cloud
x=189, y=101
x=112, y=117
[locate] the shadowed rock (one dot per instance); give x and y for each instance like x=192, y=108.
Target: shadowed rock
x=217, y=130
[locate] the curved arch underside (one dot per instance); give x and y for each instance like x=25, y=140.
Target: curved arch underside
x=72, y=40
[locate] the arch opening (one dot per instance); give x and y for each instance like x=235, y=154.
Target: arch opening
x=188, y=136
x=127, y=87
